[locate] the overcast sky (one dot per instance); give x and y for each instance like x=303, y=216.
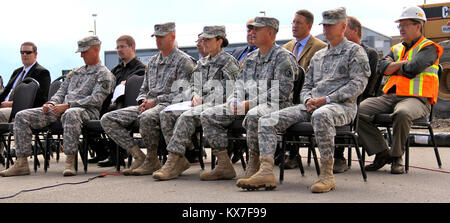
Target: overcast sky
x=55, y=26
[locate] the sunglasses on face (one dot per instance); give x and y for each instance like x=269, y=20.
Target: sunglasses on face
x=26, y=52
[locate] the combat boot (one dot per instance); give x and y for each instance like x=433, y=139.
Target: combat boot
x=138, y=157
x=326, y=179
x=18, y=169
x=224, y=169
x=150, y=165
x=69, y=169
x=174, y=166
x=252, y=167
x=263, y=178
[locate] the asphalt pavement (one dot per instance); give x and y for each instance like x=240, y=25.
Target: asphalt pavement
x=424, y=183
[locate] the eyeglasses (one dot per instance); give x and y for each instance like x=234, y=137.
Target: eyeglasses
x=26, y=52
x=405, y=25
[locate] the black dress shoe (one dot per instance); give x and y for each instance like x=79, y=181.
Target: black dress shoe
x=96, y=159
x=110, y=162
x=397, y=166
x=381, y=159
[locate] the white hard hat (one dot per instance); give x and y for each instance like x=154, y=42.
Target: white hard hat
x=413, y=12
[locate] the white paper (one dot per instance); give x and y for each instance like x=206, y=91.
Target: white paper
x=119, y=91
x=182, y=106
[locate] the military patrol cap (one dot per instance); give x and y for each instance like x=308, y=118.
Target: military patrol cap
x=213, y=31
x=333, y=16
x=86, y=43
x=164, y=29
x=265, y=21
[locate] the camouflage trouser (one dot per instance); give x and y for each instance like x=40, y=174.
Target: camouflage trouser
x=4, y=114
x=216, y=120
x=323, y=120
x=179, y=128
x=116, y=124
x=72, y=121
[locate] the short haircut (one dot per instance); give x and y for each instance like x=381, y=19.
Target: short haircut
x=128, y=39
x=29, y=44
x=417, y=21
x=307, y=14
x=354, y=23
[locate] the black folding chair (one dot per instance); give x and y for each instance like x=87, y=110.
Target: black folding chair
x=47, y=150
x=23, y=98
x=132, y=89
x=386, y=121
x=345, y=136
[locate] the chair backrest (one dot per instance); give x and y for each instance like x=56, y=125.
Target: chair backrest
x=24, y=96
x=54, y=86
x=298, y=85
x=132, y=89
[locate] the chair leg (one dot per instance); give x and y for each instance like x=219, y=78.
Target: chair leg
x=349, y=161
x=309, y=157
x=300, y=164
x=36, y=161
x=360, y=158
x=313, y=150
x=436, y=151
x=407, y=155
x=8, y=152
x=283, y=151
x=85, y=153
x=199, y=148
x=213, y=160
x=46, y=152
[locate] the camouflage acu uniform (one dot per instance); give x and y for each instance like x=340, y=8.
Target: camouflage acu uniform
x=84, y=91
x=341, y=73
x=159, y=81
x=267, y=82
x=209, y=81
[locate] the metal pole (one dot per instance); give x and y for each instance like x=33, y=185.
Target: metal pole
x=95, y=24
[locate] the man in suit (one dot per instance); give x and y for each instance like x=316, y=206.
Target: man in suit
x=307, y=44
x=304, y=46
x=241, y=53
x=32, y=69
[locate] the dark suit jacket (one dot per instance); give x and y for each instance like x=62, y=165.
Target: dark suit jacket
x=37, y=72
x=238, y=52
x=308, y=52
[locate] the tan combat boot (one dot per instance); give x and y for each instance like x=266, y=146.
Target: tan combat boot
x=69, y=169
x=150, y=165
x=252, y=167
x=263, y=178
x=224, y=169
x=326, y=179
x=174, y=166
x=138, y=157
x=18, y=169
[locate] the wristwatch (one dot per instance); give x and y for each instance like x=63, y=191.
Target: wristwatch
x=328, y=100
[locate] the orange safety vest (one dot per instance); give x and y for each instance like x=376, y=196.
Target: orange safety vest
x=425, y=84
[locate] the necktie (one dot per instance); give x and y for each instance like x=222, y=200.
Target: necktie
x=295, y=52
